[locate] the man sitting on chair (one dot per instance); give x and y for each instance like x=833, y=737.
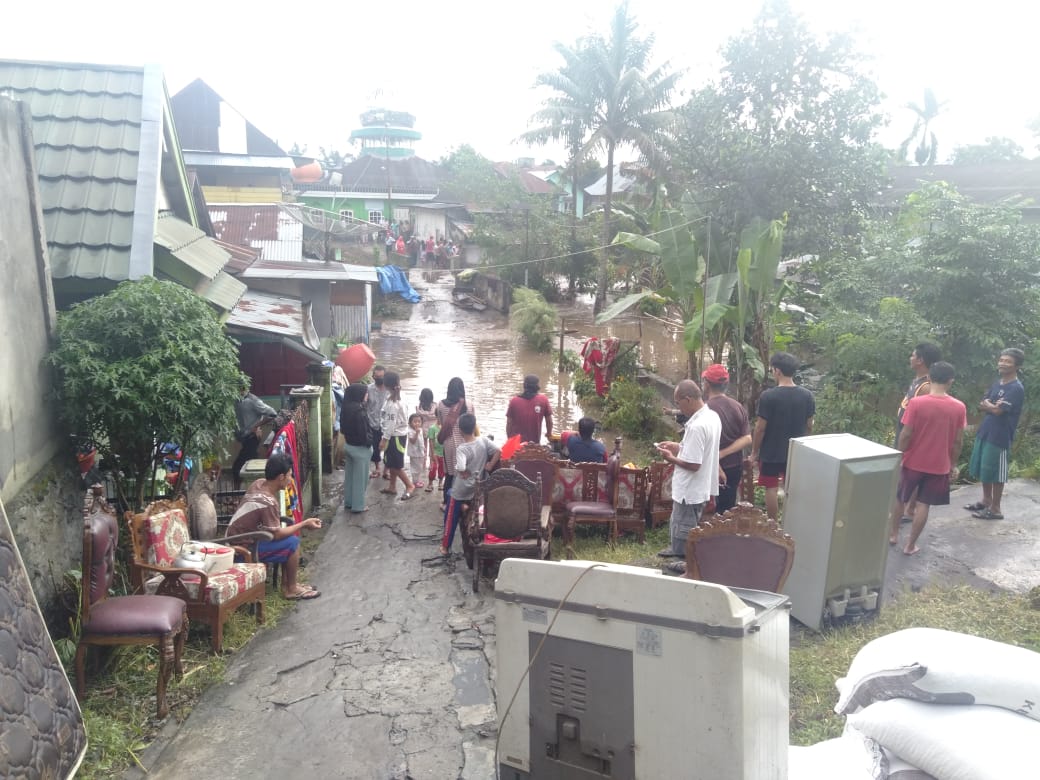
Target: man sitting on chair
x=259, y=511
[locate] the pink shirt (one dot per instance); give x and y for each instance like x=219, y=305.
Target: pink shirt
x=937, y=421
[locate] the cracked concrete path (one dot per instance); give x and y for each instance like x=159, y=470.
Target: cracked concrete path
x=387, y=675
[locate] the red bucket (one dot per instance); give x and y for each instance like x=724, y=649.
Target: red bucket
x=356, y=361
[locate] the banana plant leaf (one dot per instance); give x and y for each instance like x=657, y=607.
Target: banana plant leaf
x=620, y=307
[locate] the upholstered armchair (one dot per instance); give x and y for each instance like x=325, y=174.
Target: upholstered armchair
x=157, y=535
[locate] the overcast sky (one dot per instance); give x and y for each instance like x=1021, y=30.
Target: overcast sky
x=302, y=72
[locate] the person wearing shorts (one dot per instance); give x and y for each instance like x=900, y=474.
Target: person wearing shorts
x=931, y=443
x=784, y=412
x=1002, y=407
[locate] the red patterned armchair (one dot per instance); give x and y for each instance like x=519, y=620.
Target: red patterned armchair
x=157, y=535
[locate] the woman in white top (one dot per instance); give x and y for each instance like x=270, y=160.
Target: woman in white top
x=395, y=436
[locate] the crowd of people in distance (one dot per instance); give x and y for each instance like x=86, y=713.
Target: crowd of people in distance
x=438, y=445
x=431, y=253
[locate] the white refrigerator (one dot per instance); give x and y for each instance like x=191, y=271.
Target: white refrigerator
x=839, y=489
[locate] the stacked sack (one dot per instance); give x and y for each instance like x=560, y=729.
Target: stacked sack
x=925, y=703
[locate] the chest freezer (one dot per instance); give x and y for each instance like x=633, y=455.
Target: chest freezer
x=638, y=675
x=839, y=489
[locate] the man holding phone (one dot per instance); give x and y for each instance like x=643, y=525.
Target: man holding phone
x=696, y=461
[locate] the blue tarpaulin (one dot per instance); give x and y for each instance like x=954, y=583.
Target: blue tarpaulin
x=394, y=279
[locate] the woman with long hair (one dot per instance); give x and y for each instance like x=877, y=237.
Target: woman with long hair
x=449, y=409
x=353, y=424
x=395, y=436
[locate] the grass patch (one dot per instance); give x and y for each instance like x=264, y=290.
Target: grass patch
x=818, y=660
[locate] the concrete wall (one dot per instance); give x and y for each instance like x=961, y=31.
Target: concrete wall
x=37, y=484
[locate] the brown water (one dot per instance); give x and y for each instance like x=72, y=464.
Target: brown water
x=440, y=341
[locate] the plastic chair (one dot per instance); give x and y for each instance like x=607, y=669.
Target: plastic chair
x=123, y=620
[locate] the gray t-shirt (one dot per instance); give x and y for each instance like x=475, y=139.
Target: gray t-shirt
x=377, y=395
x=471, y=457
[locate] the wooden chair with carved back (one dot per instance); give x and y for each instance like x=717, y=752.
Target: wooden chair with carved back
x=742, y=548
x=123, y=620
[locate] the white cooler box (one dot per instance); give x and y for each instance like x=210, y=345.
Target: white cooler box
x=641, y=676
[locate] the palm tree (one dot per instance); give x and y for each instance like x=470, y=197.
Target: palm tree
x=927, y=148
x=604, y=89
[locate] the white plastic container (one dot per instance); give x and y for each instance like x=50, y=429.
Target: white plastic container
x=641, y=675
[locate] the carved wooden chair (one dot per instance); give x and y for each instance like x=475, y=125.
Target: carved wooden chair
x=123, y=620
x=742, y=548
x=597, y=504
x=659, y=500
x=511, y=525
x=157, y=535
x=538, y=462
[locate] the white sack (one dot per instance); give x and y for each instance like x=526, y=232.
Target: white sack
x=942, y=667
x=849, y=757
x=954, y=742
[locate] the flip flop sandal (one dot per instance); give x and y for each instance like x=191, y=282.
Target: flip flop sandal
x=406, y=496
x=305, y=595
x=389, y=491
x=978, y=506
x=429, y=488
x=987, y=515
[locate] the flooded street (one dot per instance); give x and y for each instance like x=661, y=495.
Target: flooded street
x=440, y=340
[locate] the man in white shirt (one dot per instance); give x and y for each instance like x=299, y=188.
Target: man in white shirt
x=696, y=460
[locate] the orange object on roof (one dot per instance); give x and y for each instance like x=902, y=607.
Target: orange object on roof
x=307, y=174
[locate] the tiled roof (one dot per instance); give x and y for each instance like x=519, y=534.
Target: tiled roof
x=87, y=130
x=262, y=226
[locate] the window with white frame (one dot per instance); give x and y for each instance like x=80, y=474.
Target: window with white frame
x=346, y=215
x=375, y=217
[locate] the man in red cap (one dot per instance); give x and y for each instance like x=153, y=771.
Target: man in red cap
x=736, y=434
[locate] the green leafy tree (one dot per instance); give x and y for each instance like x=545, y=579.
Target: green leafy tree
x=608, y=88
x=787, y=129
x=926, y=149
x=968, y=270
x=995, y=150
x=145, y=364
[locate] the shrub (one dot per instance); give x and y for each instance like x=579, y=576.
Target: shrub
x=533, y=317
x=145, y=364
x=632, y=409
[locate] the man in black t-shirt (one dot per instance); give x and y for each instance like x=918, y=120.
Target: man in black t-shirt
x=784, y=412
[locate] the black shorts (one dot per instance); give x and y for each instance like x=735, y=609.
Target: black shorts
x=394, y=455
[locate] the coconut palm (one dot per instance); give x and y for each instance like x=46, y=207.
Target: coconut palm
x=927, y=148
x=604, y=87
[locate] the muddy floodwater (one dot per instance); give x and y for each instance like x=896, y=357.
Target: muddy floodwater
x=440, y=340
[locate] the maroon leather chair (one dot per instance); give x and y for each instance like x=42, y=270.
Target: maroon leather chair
x=123, y=620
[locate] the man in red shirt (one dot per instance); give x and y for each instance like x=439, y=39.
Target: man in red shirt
x=526, y=411
x=931, y=443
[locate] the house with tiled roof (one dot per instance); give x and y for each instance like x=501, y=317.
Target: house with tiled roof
x=116, y=198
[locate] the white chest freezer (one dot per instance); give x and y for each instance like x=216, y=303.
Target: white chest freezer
x=839, y=489
x=640, y=675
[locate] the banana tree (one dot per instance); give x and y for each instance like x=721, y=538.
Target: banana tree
x=732, y=310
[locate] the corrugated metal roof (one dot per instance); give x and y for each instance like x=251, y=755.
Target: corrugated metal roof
x=337, y=272
x=275, y=314
x=190, y=245
x=264, y=226
x=223, y=290
x=197, y=158
x=87, y=134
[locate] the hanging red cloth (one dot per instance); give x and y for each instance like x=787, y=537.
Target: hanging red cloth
x=285, y=442
x=598, y=355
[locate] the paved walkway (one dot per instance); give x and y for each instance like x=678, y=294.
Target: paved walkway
x=387, y=675
x=390, y=673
